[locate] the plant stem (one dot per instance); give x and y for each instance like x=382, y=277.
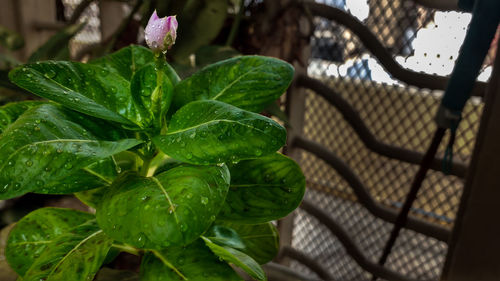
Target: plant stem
x=128, y=249
x=236, y=24
x=145, y=167
x=160, y=159
x=157, y=95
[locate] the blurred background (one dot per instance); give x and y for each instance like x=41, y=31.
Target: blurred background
x=370, y=74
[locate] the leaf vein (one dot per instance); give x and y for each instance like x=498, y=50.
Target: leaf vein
x=32, y=242
x=172, y=207
x=74, y=249
x=41, y=142
x=168, y=264
x=94, y=173
x=236, y=80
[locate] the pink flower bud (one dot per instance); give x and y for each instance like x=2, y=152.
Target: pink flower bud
x=161, y=33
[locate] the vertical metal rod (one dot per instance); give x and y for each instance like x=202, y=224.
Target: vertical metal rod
x=412, y=195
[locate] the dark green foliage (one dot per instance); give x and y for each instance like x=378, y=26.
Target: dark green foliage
x=263, y=189
x=31, y=235
x=223, y=133
x=262, y=247
x=174, y=207
x=195, y=262
x=185, y=172
x=248, y=82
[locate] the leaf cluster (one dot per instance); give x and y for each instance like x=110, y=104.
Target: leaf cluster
x=183, y=173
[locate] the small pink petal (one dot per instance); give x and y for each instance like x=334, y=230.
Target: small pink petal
x=162, y=30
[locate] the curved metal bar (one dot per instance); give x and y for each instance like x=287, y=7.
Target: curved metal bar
x=307, y=261
x=370, y=141
x=350, y=246
x=370, y=41
x=364, y=197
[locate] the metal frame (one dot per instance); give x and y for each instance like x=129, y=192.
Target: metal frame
x=295, y=109
x=371, y=42
x=474, y=245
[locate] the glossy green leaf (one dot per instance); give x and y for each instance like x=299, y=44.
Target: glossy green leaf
x=153, y=91
x=237, y=258
x=259, y=241
x=263, y=189
x=56, y=47
x=171, y=74
x=126, y=160
x=75, y=255
x=92, y=197
x=86, y=88
x=11, y=111
x=96, y=175
x=172, y=208
x=248, y=82
x=31, y=235
x=105, y=173
x=194, y=262
x=209, y=132
x=48, y=144
x=126, y=61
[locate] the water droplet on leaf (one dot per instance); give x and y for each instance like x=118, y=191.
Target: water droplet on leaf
x=104, y=72
x=184, y=227
x=141, y=239
x=204, y=200
x=50, y=74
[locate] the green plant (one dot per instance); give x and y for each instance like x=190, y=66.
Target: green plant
x=183, y=173
x=56, y=47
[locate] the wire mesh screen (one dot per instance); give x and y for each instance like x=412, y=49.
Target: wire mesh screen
x=396, y=114
x=91, y=33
